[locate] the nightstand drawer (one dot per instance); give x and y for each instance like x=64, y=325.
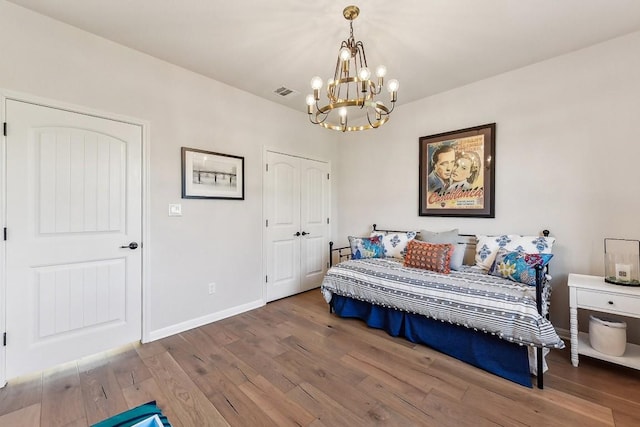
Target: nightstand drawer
x=608, y=302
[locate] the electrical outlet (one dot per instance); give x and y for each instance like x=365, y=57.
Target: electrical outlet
x=212, y=288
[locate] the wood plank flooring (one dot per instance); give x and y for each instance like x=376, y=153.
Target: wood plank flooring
x=291, y=363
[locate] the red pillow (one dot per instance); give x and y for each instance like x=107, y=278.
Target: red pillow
x=429, y=256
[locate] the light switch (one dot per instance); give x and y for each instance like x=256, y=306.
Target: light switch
x=175, y=210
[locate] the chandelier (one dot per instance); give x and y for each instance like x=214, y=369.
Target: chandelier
x=351, y=92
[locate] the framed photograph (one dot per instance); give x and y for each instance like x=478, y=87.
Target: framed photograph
x=457, y=173
x=209, y=175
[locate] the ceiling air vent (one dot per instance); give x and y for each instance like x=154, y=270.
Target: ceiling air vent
x=286, y=92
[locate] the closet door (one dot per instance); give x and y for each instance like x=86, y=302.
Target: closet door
x=282, y=200
x=296, y=215
x=314, y=216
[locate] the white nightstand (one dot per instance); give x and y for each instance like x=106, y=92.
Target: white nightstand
x=593, y=293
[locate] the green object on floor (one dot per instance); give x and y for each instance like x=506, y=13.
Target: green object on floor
x=135, y=415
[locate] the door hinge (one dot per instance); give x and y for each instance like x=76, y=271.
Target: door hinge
x=4, y=128
x=266, y=222
x=327, y=220
x=4, y=339
x=5, y=233
x=266, y=167
x=327, y=176
x=266, y=279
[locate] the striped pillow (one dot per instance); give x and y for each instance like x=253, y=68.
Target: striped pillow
x=429, y=256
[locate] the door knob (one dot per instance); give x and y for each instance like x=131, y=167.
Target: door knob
x=132, y=245
x=297, y=234
x=304, y=233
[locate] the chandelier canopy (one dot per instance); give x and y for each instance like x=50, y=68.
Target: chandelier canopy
x=351, y=92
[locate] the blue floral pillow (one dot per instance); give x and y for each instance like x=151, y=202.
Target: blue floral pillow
x=518, y=266
x=395, y=243
x=366, y=247
x=488, y=246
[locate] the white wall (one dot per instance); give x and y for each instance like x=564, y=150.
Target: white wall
x=214, y=240
x=567, y=156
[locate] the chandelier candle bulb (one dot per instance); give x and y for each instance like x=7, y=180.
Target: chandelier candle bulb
x=316, y=83
x=351, y=88
x=343, y=115
x=345, y=54
x=343, y=118
x=310, y=101
x=392, y=87
x=381, y=71
x=364, y=75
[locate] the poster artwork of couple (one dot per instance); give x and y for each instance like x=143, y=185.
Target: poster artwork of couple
x=456, y=176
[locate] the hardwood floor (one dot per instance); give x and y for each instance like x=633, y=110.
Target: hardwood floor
x=293, y=363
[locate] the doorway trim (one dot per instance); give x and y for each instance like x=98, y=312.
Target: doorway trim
x=5, y=95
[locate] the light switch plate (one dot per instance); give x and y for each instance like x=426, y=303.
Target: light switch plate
x=175, y=210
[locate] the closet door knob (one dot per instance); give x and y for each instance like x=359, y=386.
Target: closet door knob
x=304, y=233
x=297, y=234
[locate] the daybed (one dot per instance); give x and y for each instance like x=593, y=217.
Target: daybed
x=495, y=323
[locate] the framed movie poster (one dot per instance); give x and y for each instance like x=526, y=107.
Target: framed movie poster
x=457, y=173
x=209, y=175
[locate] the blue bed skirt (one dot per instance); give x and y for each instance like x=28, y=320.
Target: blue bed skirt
x=484, y=351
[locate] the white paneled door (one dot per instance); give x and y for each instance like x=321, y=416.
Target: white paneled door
x=74, y=219
x=297, y=230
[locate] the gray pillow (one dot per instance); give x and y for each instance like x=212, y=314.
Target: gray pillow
x=451, y=237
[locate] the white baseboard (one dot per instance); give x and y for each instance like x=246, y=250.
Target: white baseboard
x=204, y=320
x=564, y=334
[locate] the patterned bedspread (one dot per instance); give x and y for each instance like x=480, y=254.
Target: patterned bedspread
x=468, y=298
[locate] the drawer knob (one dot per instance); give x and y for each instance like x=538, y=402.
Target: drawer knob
x=610, y=302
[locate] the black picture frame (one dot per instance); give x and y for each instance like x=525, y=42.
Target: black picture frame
x=211, y=175
x=461, y=181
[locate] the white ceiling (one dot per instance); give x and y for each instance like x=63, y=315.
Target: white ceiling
x=430, y=46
